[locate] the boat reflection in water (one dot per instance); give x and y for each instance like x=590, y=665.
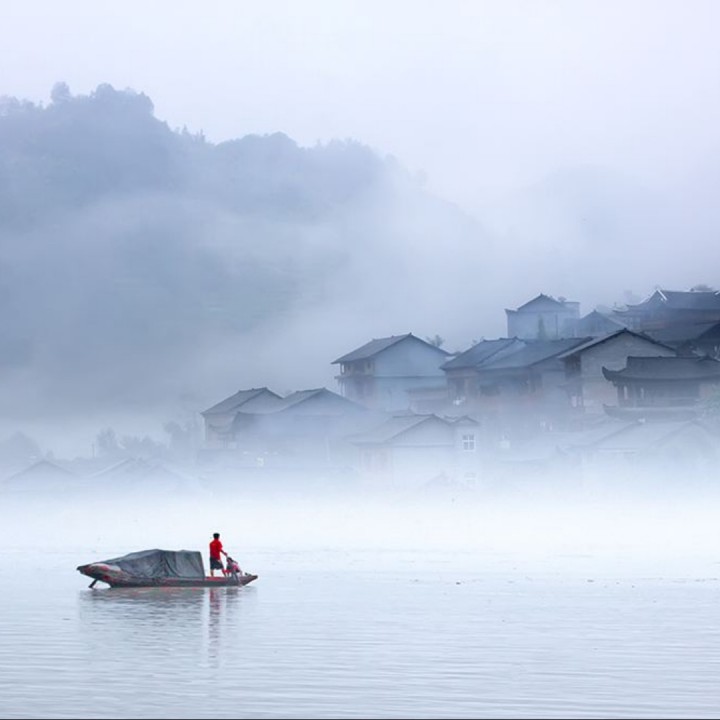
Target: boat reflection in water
x=164, y=621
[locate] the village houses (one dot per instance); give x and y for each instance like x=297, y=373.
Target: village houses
x=559, y=385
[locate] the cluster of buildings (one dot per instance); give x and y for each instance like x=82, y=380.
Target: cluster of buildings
x=623, y=393
x=628, y=387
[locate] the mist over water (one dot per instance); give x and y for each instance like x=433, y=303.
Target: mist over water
x=535, y=521
x=205, y=202
x=444, y=603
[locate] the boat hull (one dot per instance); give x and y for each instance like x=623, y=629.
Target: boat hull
x=118, y=579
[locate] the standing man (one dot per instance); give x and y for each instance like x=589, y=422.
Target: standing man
x=216, y=549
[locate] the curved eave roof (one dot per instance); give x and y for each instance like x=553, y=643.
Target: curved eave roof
x=625, y=376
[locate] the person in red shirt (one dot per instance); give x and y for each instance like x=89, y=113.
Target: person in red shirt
x=216, y=550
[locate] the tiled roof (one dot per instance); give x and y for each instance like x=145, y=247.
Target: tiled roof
x=481, y=352
x=377, y=345
x=535, y=351
x=693, y=300
x=43, y=468
x=548, y=445
x=609, y=336
x=666, y=368
x=542, y=299
x=300, y=396
x=683, y=300
x=296, y=399
x=596, y=317
x=679, y=332
x=240, y=398
x=645, y=435
x=392, y=428
x=137, y=467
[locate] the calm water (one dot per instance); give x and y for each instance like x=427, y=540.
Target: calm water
x=447, y=632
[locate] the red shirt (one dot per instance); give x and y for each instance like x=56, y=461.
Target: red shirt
x=215, y=549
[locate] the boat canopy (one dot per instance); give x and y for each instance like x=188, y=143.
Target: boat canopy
x=161, y=564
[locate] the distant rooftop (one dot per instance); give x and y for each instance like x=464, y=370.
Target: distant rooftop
x=592, y=342
x=377, y=345
x=546, y=300
x=240, y=398
x=481, y=352
x=534, y=352
x=393, y=427
x=666, y=368
x=682, y=300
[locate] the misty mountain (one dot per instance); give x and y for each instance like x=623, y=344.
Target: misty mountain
x=140, y=264
x=80, y=150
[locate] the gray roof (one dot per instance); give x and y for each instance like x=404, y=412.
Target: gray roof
x=394, y=427
x=683, y=300
x=682, y=331
x=378, y=345
x=301, y=396
x=44, y=468
x=592, y=342
x=136, y=467
x=534, y=352
x=652, y=413
x=693, y=300
x=595, y=317
x=297, y=399
x=610, y=435
x=601, y=431
x=644, y=435
x=261, y=396
x=541, y=299
x=481, y=352
x=559, y=442
x=667, y=369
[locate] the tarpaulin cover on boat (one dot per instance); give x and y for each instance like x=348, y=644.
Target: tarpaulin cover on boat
x=161, y=564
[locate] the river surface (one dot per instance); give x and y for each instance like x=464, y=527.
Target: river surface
x=357, y=631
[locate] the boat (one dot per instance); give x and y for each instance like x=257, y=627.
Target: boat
x=162, y=568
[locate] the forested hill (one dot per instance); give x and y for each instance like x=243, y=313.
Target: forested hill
x=139, y=263
x=80, y=150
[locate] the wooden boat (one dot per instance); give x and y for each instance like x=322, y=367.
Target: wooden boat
x=161, y=568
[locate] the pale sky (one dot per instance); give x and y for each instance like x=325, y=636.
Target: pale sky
x=483, y=97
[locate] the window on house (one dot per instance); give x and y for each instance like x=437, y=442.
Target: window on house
x=468, y=442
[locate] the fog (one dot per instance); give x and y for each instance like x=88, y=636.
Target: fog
x=595, y=606
x=241, y=247
x=480, y=96
x=621, y=526
x=208, y=201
